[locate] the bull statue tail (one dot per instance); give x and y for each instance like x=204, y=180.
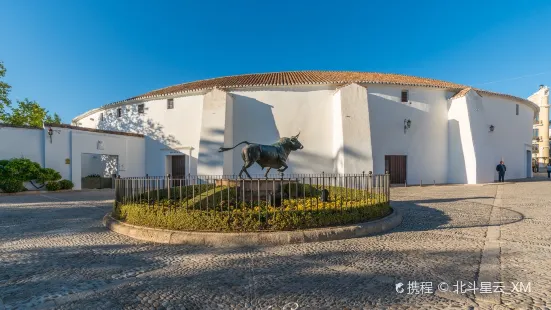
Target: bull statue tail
x=223, y=149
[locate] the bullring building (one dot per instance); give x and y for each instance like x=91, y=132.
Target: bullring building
x=418, y=129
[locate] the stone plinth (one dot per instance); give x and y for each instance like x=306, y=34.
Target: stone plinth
x=255, y=185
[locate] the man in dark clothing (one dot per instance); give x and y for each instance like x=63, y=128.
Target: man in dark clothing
x=501, y=169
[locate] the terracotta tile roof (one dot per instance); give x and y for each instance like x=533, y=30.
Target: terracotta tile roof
x=302, y=78
x=463, y=93
x=297, y=78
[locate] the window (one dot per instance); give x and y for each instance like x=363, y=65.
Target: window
x=405, y=96
x=517, y=108
x=101, y=117
x=140, y=108
x=119, y=112
x=536, y=133
x=170, y=104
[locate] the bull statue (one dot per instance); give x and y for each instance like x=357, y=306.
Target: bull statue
x=270, y=156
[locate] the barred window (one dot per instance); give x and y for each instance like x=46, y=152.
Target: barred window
x=517, y=108
x=140, y=108
x=170, y=104
x=101, y=117
x=119, y=112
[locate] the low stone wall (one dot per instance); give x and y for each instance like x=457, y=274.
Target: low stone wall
x=220, y=239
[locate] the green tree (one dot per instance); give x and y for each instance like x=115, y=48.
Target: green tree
x=4, y=90
x=29, y=113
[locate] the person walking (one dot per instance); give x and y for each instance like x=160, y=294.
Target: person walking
x=549, y=170
x=501, y=169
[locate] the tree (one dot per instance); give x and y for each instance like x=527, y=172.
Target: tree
x=4, y=90
x=29, y=113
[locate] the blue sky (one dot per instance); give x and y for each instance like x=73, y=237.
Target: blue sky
x=72, y=56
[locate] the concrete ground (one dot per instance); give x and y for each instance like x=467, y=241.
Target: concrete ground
x=54, y=253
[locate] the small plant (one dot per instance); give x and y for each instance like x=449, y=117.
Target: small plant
x=53, y=186
x=66, y=184
x=11, y=185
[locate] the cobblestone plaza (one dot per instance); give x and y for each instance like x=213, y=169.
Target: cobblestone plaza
x=55, y=253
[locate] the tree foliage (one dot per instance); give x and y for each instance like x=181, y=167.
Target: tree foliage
x=4, y=90
x=29, y=113
x=26, y=113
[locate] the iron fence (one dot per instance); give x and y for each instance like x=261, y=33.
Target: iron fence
x=222, y=193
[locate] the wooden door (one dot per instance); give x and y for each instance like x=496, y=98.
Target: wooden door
x=396, y=167
x=178, y=166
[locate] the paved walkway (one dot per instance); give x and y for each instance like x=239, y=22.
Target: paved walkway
x=54, y=253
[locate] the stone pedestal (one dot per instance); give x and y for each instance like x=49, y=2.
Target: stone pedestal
x=253, y=189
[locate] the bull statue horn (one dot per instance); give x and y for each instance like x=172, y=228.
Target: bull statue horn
x=297, y=135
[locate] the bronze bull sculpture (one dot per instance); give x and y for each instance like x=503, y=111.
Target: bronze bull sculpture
x=270, y=156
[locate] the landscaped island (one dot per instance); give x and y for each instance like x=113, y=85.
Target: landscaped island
x=234, y=205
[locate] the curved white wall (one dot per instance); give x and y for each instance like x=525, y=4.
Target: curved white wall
x=424, y=144
x=349, y=130
x=265, y=115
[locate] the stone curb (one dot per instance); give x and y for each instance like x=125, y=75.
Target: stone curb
x=219, y=239
x=37, y=192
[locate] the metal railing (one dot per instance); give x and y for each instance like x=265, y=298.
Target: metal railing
x=262, y=195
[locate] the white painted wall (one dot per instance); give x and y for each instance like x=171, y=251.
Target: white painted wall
x=63, y=152
x=57, y=150
x=425, y=144
x=461, y=153
x=447, y=142
x=511, y=138
x=169, y=131
x=356, y=131
x=130, y=152
x=22, y=142
x=338, y=143
x=103, y=165
x=265, y=115
x=214, y=123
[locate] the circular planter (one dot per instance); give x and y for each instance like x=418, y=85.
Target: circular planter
x=222, y=239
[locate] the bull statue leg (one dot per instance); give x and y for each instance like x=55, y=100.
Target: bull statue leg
x=266, y=174
x=284, y=166
x=244, y=169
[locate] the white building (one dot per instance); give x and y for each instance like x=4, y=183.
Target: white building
x=349, y=122
x=76, y=152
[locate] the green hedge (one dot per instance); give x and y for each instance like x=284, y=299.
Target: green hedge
x=66, y=184
x=213, y=210
x=178, y=218
x=11, y=185
x=53, y=186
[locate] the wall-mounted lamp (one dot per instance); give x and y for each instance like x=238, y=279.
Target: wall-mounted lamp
x=50, y=133
x=407, y=125
x=492, y=128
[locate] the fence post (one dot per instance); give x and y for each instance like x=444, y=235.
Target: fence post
x=168, y=185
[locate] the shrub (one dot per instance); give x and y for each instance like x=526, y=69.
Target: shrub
x=11, y=185
x=217, y=209
x=45, y=175
x=267, y=219
x=66, y=184
x=53, y=186
x=19, y=170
